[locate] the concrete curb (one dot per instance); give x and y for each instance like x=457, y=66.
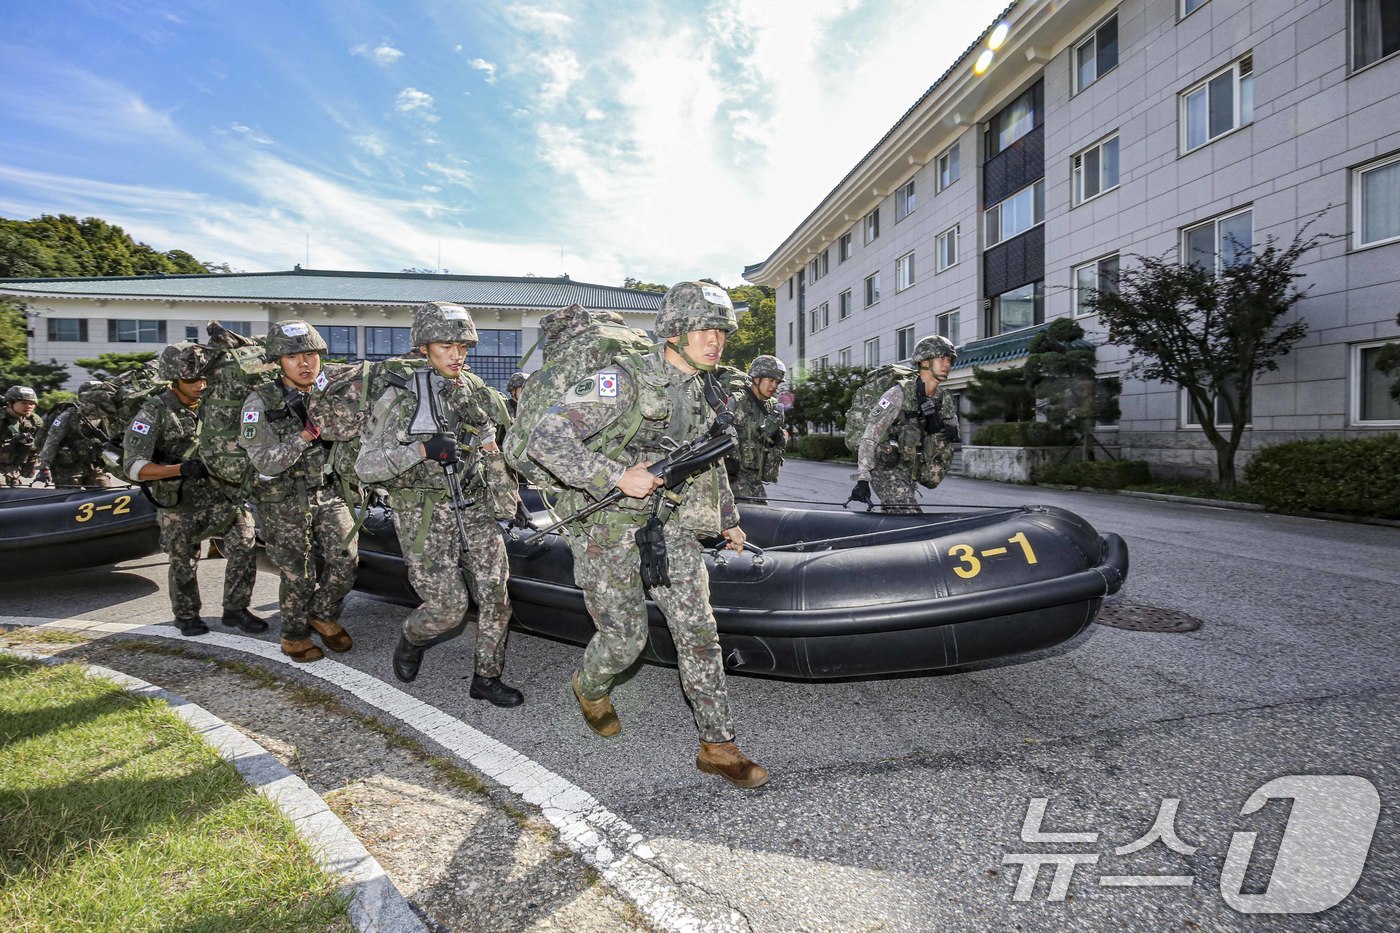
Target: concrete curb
x=376, y=906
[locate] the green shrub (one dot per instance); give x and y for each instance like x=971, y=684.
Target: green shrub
x=820, y=447
x=1100, y=474
x=1021, y=434
x=1354, y=477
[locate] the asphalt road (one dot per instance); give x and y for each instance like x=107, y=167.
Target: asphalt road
x=902, y=803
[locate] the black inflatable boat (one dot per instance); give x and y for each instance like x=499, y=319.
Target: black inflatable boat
x=840, y=594
x=46, y=531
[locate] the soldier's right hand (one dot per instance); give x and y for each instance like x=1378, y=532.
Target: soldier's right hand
x=44, y=476
x=193, y=469
x=441, y=448
x=860, y=492
x=638, y=482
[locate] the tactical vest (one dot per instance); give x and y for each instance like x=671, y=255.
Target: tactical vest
x=79, y=445
x=462, y=411
x=760, y=421
x=15, y=428
x=925, y=457
x=177, y=428
x=308, y=473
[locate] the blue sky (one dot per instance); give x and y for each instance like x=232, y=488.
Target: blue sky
x=660, y=140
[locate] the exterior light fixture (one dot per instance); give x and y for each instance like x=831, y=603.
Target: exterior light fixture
x=984, y=61
x=998, y=36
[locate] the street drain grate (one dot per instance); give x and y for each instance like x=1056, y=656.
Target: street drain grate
x=1135, y=618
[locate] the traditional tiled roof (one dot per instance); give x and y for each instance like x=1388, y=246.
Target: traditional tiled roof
x=1004, y=348
x=331, y=287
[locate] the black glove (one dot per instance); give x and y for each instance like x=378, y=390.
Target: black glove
x=522, y=518
x=23, y=439
x=193, y=469
x=442, y=448
x=860, y=492
x=950, y=434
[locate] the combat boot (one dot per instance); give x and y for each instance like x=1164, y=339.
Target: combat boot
x=301, y=650
x=725, y=759
x=599, y=714
x=192, y=626
x=494, y=692
x=407, y=659
x=332, y=634
x=245, y=620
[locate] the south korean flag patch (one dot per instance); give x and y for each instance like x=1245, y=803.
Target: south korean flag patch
x=250, y=417
x=140, y=427
x=884, y=403
x=607, y=385
x=322, y=381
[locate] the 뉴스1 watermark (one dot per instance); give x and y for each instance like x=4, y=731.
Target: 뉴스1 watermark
x=1319, y=860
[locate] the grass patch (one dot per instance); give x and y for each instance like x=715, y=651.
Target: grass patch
x=115, y=816
x=42, y=636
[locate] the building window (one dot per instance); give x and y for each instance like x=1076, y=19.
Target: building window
x=947, y=249
x=843, y=305
x=819, y=266
x=1376, y=196
x=872, y=352
x=242, y=328
x=1190, y=6
x=903, y=272
x=948, y=326
x=343, y=342
x=1095, y=170
x=820, y=318
x=136, y=331
x=1220, y=242
x=843, y=357
x=904, y=343
x=872, y=226
x=1111, y=387
x=1375, y=31
x=1222, y=414
x=790, y=278
x=789, y=323
x=904, y=201
x=1372, y=402
x=1017, y=308
x=948, y=167
x=823, y=362
x=843, y=247
x=872, y=289
x=1101, y=275
x=67, y=330
x=1014, y=121
x=1016, y=214
x=384, y=342
x=1097, y=55
x=1220, y=104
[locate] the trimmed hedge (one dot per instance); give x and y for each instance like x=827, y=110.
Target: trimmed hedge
x=1349, y=476
x=820, y=447
x=1100, y=474
x=1021, y=434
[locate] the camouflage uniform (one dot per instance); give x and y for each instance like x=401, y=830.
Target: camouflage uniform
x=304, y=520
x=74, y=440
x=902, y=447
x=17, y=436
x=759, y=456
x=390, y=455
x=191, y=509
x=606, y=560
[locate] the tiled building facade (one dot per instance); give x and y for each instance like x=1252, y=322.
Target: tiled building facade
x=1103, y=130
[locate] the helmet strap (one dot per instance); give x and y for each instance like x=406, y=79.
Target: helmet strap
x=680, y=345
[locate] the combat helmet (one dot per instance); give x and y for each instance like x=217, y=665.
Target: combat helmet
x=442, y=322
x=286, y=338
x=767, y=367
x=20, y=394
x=516, y=381
x=184, y=360
x=934, y=346
x=690, y=306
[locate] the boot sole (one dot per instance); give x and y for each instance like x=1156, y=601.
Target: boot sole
x=749, y=784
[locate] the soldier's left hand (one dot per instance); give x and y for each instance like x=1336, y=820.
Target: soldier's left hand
x=950, y=434
x=736, y=538
x=44, y=476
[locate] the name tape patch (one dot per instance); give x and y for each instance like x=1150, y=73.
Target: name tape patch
x=140, y=427
x=454, y=313
x=717, y=295
x=295, y=329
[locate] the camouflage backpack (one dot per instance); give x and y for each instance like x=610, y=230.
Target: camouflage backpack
x=876, y=384
x=133, y=388
x=339, y=404
x=240, y=367
x=578, y=342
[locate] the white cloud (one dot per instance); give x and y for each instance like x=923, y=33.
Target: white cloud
x=562, y=71
x=250, y=134
x=383, y=54
x=371, y=143
x=549, y=23
x=88, y=107
x=482, y=65
x=456, y=174
x=416, y=103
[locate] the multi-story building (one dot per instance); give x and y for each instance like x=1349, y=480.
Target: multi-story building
x=361, y=315
x=1096, y=131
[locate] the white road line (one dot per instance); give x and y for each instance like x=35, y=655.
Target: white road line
x=376, y=906
x=602, y=839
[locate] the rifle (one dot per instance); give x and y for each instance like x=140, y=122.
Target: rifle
x=675, y=468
